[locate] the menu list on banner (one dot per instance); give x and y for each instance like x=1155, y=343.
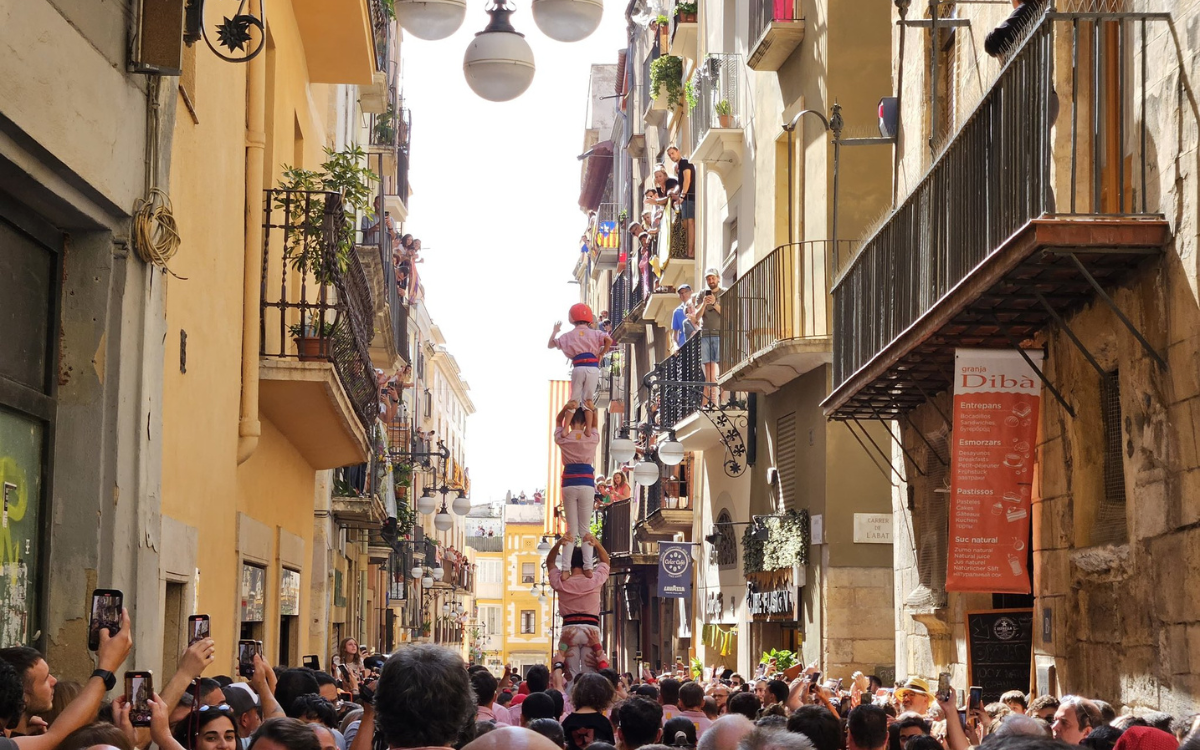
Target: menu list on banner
x=996, y=400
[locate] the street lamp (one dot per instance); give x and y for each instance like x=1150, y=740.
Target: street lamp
x=543, y=548
x=439, y=573
x=623, y=449
x=427, y=581
x=461, y=504
x=499, y=63
x=567, y=20
x=443, y=520
x=431, y=19
x=671, y=451
x=426, y=503
x=418, y=571
x=646, y=473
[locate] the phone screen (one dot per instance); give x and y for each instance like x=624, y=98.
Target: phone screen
x=197, y=628
x=976, y=700
x=815, y=682
x=246, y=652
x=943, y=691
x=139, y=689
x=106, y=613
x=313, y=662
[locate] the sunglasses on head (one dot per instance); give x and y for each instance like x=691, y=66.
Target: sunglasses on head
x=219, y=707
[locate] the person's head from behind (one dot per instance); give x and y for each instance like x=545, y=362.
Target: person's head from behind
x=771, y=737
x=592, y=691
x=97, y=733
x=1021, y=725
x=819, y=725
x=1100, y=738
x=725, y=733
x=746, y=704
x=923, y=743
x=284, y=734
x=423, y=698
x=208, y=728
x=560, y=701
x=538, y=706
x=1015, y=700
x=510, y=738
x=484, y=684
x=325, y=736
x=1074, y=718
x=247, y=714
x=483, y=727
x=504, y=697
x=679, y=732
x=12, y=694
x=36, y=680
x=600, y=746
x=639, y=722
x=711, y=709
x=328, y=686
x=668, y=692
x=646, y=691
x=550, y=729
x=313, y=709
x=538, y=677
x=691, y=698
x=579, y=419
x=293, y=683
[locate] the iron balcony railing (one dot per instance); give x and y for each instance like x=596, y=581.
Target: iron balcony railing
x=764, y=12
x=617, y=534
x=681, y=379
x=381, y=28
x=486, y=543
x=399, y=182
x=606, y=231
x=1002, y=169
x=629, y=288
x=782, y=297
x=316, y=299
x=380, y=232
x=718, y=104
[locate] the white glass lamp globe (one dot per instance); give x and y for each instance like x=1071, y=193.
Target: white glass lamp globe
x=427, y=581
x=417, y=572
x=439, y=573
x=446, y=608
x=646, y=473
x=543, y=549
x=541, y=599
x=567, y=20
x=431, y=19
x=442, y=521
x=622, y=449
x=426, y=504
x=671, y=452
x=498, y=64
x=461, y=505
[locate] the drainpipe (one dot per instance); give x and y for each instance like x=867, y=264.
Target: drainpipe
x=249, y=427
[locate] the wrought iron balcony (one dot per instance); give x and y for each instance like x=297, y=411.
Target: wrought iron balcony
x=389, y=343
x=617, y=534
x=776, y=319
x=717, y=138
x=316, y=326
x=776, y=30
x=607, y=237
x=627, y=299
x=682, y=391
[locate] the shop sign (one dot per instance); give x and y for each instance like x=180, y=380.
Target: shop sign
x=772, y=603
x=996, y=400
x=674, y=570
x=872, y=528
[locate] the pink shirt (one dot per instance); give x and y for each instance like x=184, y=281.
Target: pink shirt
x=579, y=595
x=576, y=447
x=582, y=339
x=698, y=718
x=494, y=712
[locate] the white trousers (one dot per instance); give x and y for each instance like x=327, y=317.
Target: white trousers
x=577, y=505
x=584, y=382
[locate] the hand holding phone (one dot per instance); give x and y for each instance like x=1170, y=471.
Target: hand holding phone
x=246, y=652
x=105, y=615
x=139, y=691
x=943, y=689
x=198, y=628
x=975, y=699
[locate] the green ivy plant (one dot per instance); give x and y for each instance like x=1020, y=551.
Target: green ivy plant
x=344, y=173
x=384, y=130
x=597, y=525
x=389, y=8
x=786, y=544
x=313, y=328
x=783, y=659
x=662, y=20
x=667, y=72
x=683, y=8
x=689, y=92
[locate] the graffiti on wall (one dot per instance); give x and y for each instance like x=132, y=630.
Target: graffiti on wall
x=20, y=481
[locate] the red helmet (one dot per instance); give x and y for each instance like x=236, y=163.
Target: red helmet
x=580, y=313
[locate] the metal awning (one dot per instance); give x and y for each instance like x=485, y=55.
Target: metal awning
x=595, y=179
x=1048, y=269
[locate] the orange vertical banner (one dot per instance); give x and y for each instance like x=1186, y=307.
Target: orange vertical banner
x=996, y=400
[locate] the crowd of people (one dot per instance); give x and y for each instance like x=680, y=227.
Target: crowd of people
x=405, y=250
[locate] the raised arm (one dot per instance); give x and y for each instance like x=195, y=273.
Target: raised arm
x=552, y=555
x=554, y=335
x=603, y=553
x=197, y=656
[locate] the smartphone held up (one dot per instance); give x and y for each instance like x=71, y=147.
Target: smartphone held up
x=139, y=689
x=198, y=628
x=105, y=615
x=247, y=650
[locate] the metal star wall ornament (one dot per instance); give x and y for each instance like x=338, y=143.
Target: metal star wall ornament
x=234, y=33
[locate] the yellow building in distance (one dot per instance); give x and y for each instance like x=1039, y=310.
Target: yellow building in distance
x=485, y=536
x=529, y=612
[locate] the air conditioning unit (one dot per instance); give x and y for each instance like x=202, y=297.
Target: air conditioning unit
x=373, y=99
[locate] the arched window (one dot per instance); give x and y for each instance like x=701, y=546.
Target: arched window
x=727, y=543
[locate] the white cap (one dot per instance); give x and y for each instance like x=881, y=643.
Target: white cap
x=712, y=272
x=245, y=686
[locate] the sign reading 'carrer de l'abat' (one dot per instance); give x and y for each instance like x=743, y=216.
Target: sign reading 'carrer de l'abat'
x=872, y=528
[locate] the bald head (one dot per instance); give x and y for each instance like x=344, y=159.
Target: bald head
x=511, y=738
x=725, y=733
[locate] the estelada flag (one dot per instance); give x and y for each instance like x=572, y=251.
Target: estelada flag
x=607, y=236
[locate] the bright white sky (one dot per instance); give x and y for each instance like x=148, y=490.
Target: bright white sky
x=495, y=204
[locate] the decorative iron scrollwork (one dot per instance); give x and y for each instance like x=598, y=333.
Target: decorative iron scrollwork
x=679, y=399
x=242, y=33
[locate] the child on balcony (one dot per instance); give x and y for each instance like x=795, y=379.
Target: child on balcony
x=577, y=440
x=586, y=347
x=579, y=606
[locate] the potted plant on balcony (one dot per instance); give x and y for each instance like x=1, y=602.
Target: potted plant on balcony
x=724, y=114
x=383, y=132
x=663, y=24
x=321, y=231
x=685, y=12
x=312, y=338
x=666, y=81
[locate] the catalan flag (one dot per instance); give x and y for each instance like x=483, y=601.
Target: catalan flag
x=607, y=235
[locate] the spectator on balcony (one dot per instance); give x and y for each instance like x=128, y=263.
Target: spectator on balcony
x=686, y=200
x=706, y=315
x=666, y=188
x=682, y=327
x=585, y=346
x=620, y=487
x=577, y=440
x=652, y=211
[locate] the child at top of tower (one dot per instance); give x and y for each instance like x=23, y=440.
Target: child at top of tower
x=585, y=346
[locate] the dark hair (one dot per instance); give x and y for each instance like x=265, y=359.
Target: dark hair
x=538, y=706
x=1015, y=696
x=323, y=678
x=779, y=689
x=22, y=659
x=1041, y=703
x=598, y=745
x=483, y=727
x=924, y=742
x=504, y=698
x=484, y=684
x=772, y=720
x=577, y=557
x=538, y=677
x=592, y=691
x=12, y=694
x=646, y=691
x=550, y=729
x=691, y=695
x=868, y=725
x=611, y=675
x=579, y=417
x=224, y=680
x=640, y=721
x=374, y=661
x=672, y=729
x=913, y=721
x=746, y=704
x=313, y=706
x=293, y=683
x=291, y=733
x=669, y=691
x=560, y=701
x=207, y=685
x=190, y=728
x=1026, y=742
x=96, y=733
x=818, y=724
x=1101, y=738
x=423, y=697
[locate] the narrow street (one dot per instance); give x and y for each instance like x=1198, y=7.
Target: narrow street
x=871, y=392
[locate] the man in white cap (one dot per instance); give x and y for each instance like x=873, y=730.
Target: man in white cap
x=681, y=324
x=706, y=315
x=914, y=696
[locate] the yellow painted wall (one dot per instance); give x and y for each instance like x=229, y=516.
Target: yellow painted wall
x=520, y=546
x=202, y=484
